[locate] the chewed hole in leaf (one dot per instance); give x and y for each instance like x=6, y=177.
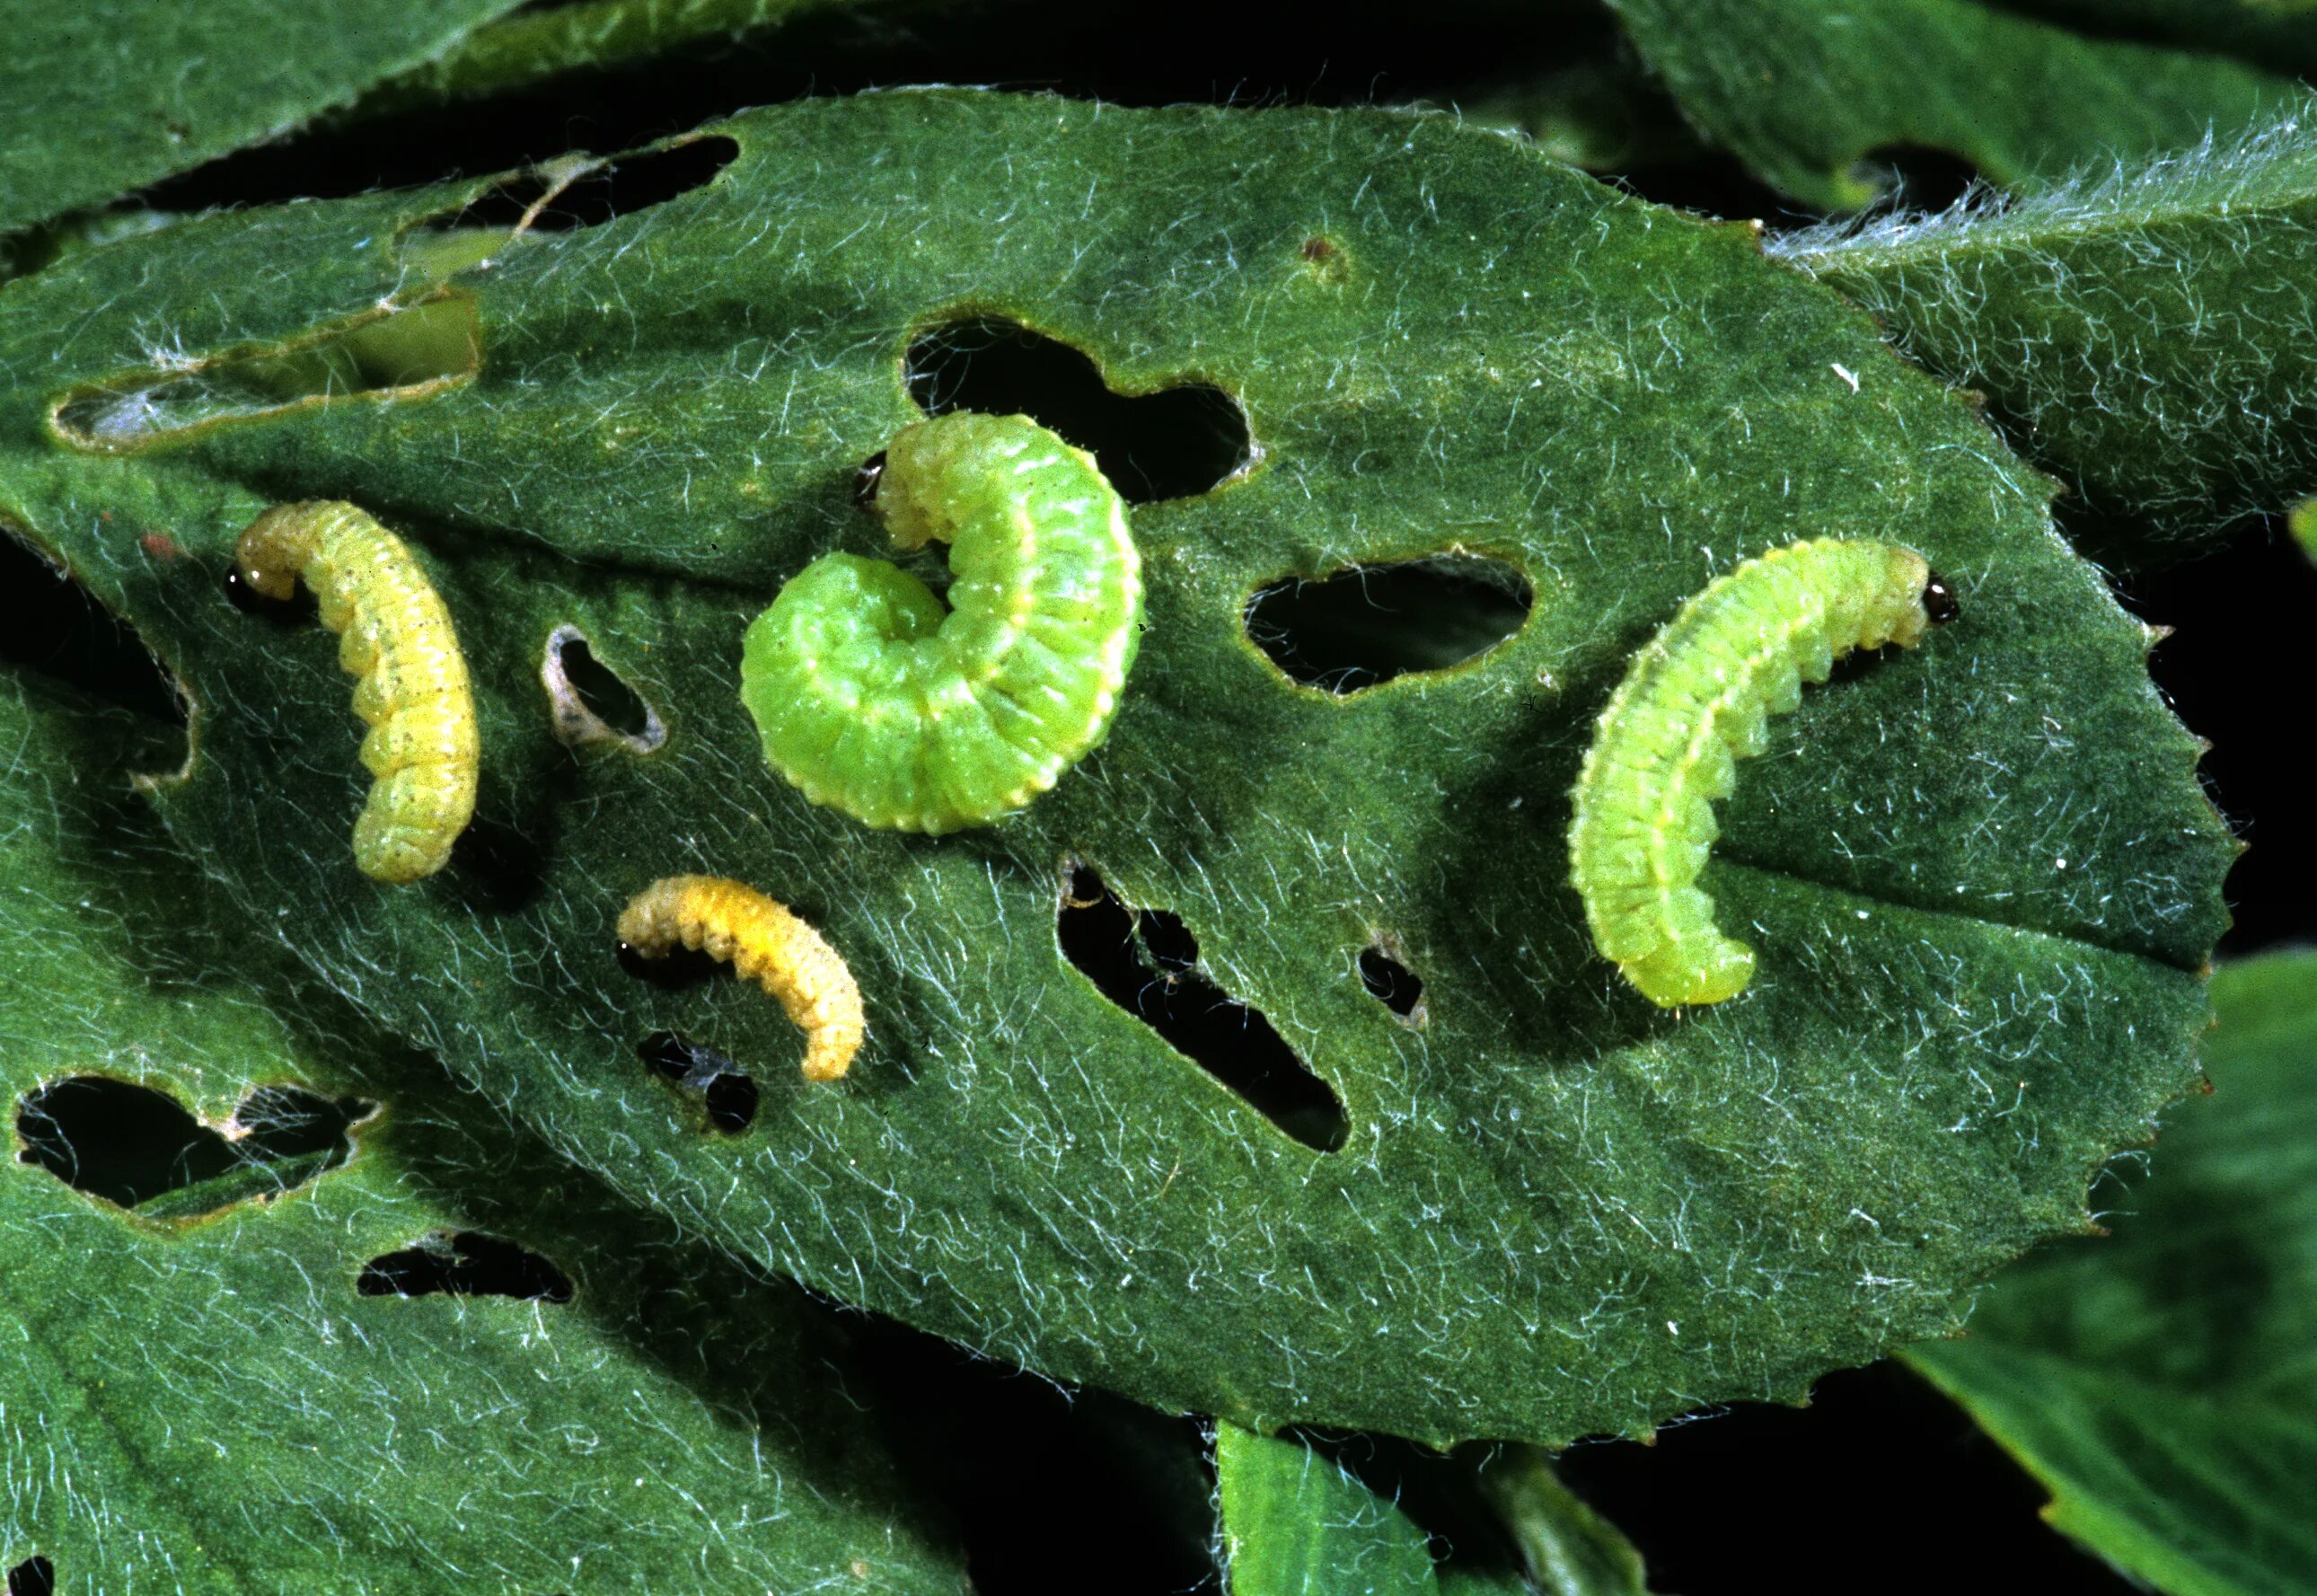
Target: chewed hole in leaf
x=402, y=353
x=34, y=1576
x=1172, y=443
x=591, y=703
x=1392, y=983
x=465, y=1263
x=725, y=1096
x=1367, y=626
x=50, y=624
x=1914, y=178
x=1146, y=961
x=139, y=1148
x=561, y=196
x=276, y=1122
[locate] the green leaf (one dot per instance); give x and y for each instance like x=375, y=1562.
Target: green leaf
x=98, y=100
x=1568, y=1548
x=541, y=42
x=1603, y=112
x=2149, y=337
x=1554, y=1210
x=2163, y=1382
x=2281, y=35
x=1804, y=92
x=219, y=1400
x=1296, y=1523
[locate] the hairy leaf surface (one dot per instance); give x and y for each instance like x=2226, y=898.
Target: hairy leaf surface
x=1550, y=1209
x=2149, y=337
x=232, y=1403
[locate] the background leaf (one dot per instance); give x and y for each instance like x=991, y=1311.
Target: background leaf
x=1567, y=1548
x=1553, y=1210
x=1807, y=92
x=98, y=100
x=539, y=42
x=2163, y=1382
x=1296, y=1524
x=2149, y=337
x=231, y=1398
x=1297, y=1519
x=2278, y=35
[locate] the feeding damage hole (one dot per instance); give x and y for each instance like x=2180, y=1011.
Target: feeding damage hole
x=575, y=191
x=589, y=700
x=1392, y=983
x=725, y=1096
x=1173, y=444
x=50, y=624
x=1362, y=627
x=464, y=1263
x=34, y=1576
x=399, y=353
x=1914, y=176
x=1146, y=961
x=139, y=1148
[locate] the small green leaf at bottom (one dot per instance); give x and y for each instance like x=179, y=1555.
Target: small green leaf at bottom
x=2163, y=1382
x=1297, y=1523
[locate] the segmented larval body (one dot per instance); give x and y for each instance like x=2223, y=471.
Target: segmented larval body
x=396, y=637
x=1694, y=701
x=875, y=697
x=765, y=943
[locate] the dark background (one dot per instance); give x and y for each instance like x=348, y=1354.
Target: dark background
x=1879, y=1483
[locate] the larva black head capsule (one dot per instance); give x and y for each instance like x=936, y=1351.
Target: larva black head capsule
x=1939, y=601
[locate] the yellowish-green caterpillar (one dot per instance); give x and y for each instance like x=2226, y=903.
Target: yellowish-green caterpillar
x=765, y=943
x=874, y=697
x=1694, y=701
x=395, y=634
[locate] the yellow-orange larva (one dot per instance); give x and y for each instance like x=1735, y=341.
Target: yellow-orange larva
x=395, y=636
x=767, y=944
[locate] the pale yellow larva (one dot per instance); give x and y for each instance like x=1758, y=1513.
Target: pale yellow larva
x=767, y=944
x=395, y=635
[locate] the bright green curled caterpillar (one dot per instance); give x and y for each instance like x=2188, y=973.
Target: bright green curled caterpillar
x=395, y=634
x=876, y=698
x=1694, y=701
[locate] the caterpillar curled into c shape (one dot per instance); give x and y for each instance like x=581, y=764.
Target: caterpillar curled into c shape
x=767, y=944
x=395, y=634
x=875, y=697
x=1695, y=700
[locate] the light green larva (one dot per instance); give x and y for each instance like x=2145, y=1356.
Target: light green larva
x=876, y=698
x=1695, y=700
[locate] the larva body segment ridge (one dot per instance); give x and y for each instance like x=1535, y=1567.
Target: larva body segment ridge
x=395, y=637
x=1697, y=699
x=875, y=697
x=764, y=942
